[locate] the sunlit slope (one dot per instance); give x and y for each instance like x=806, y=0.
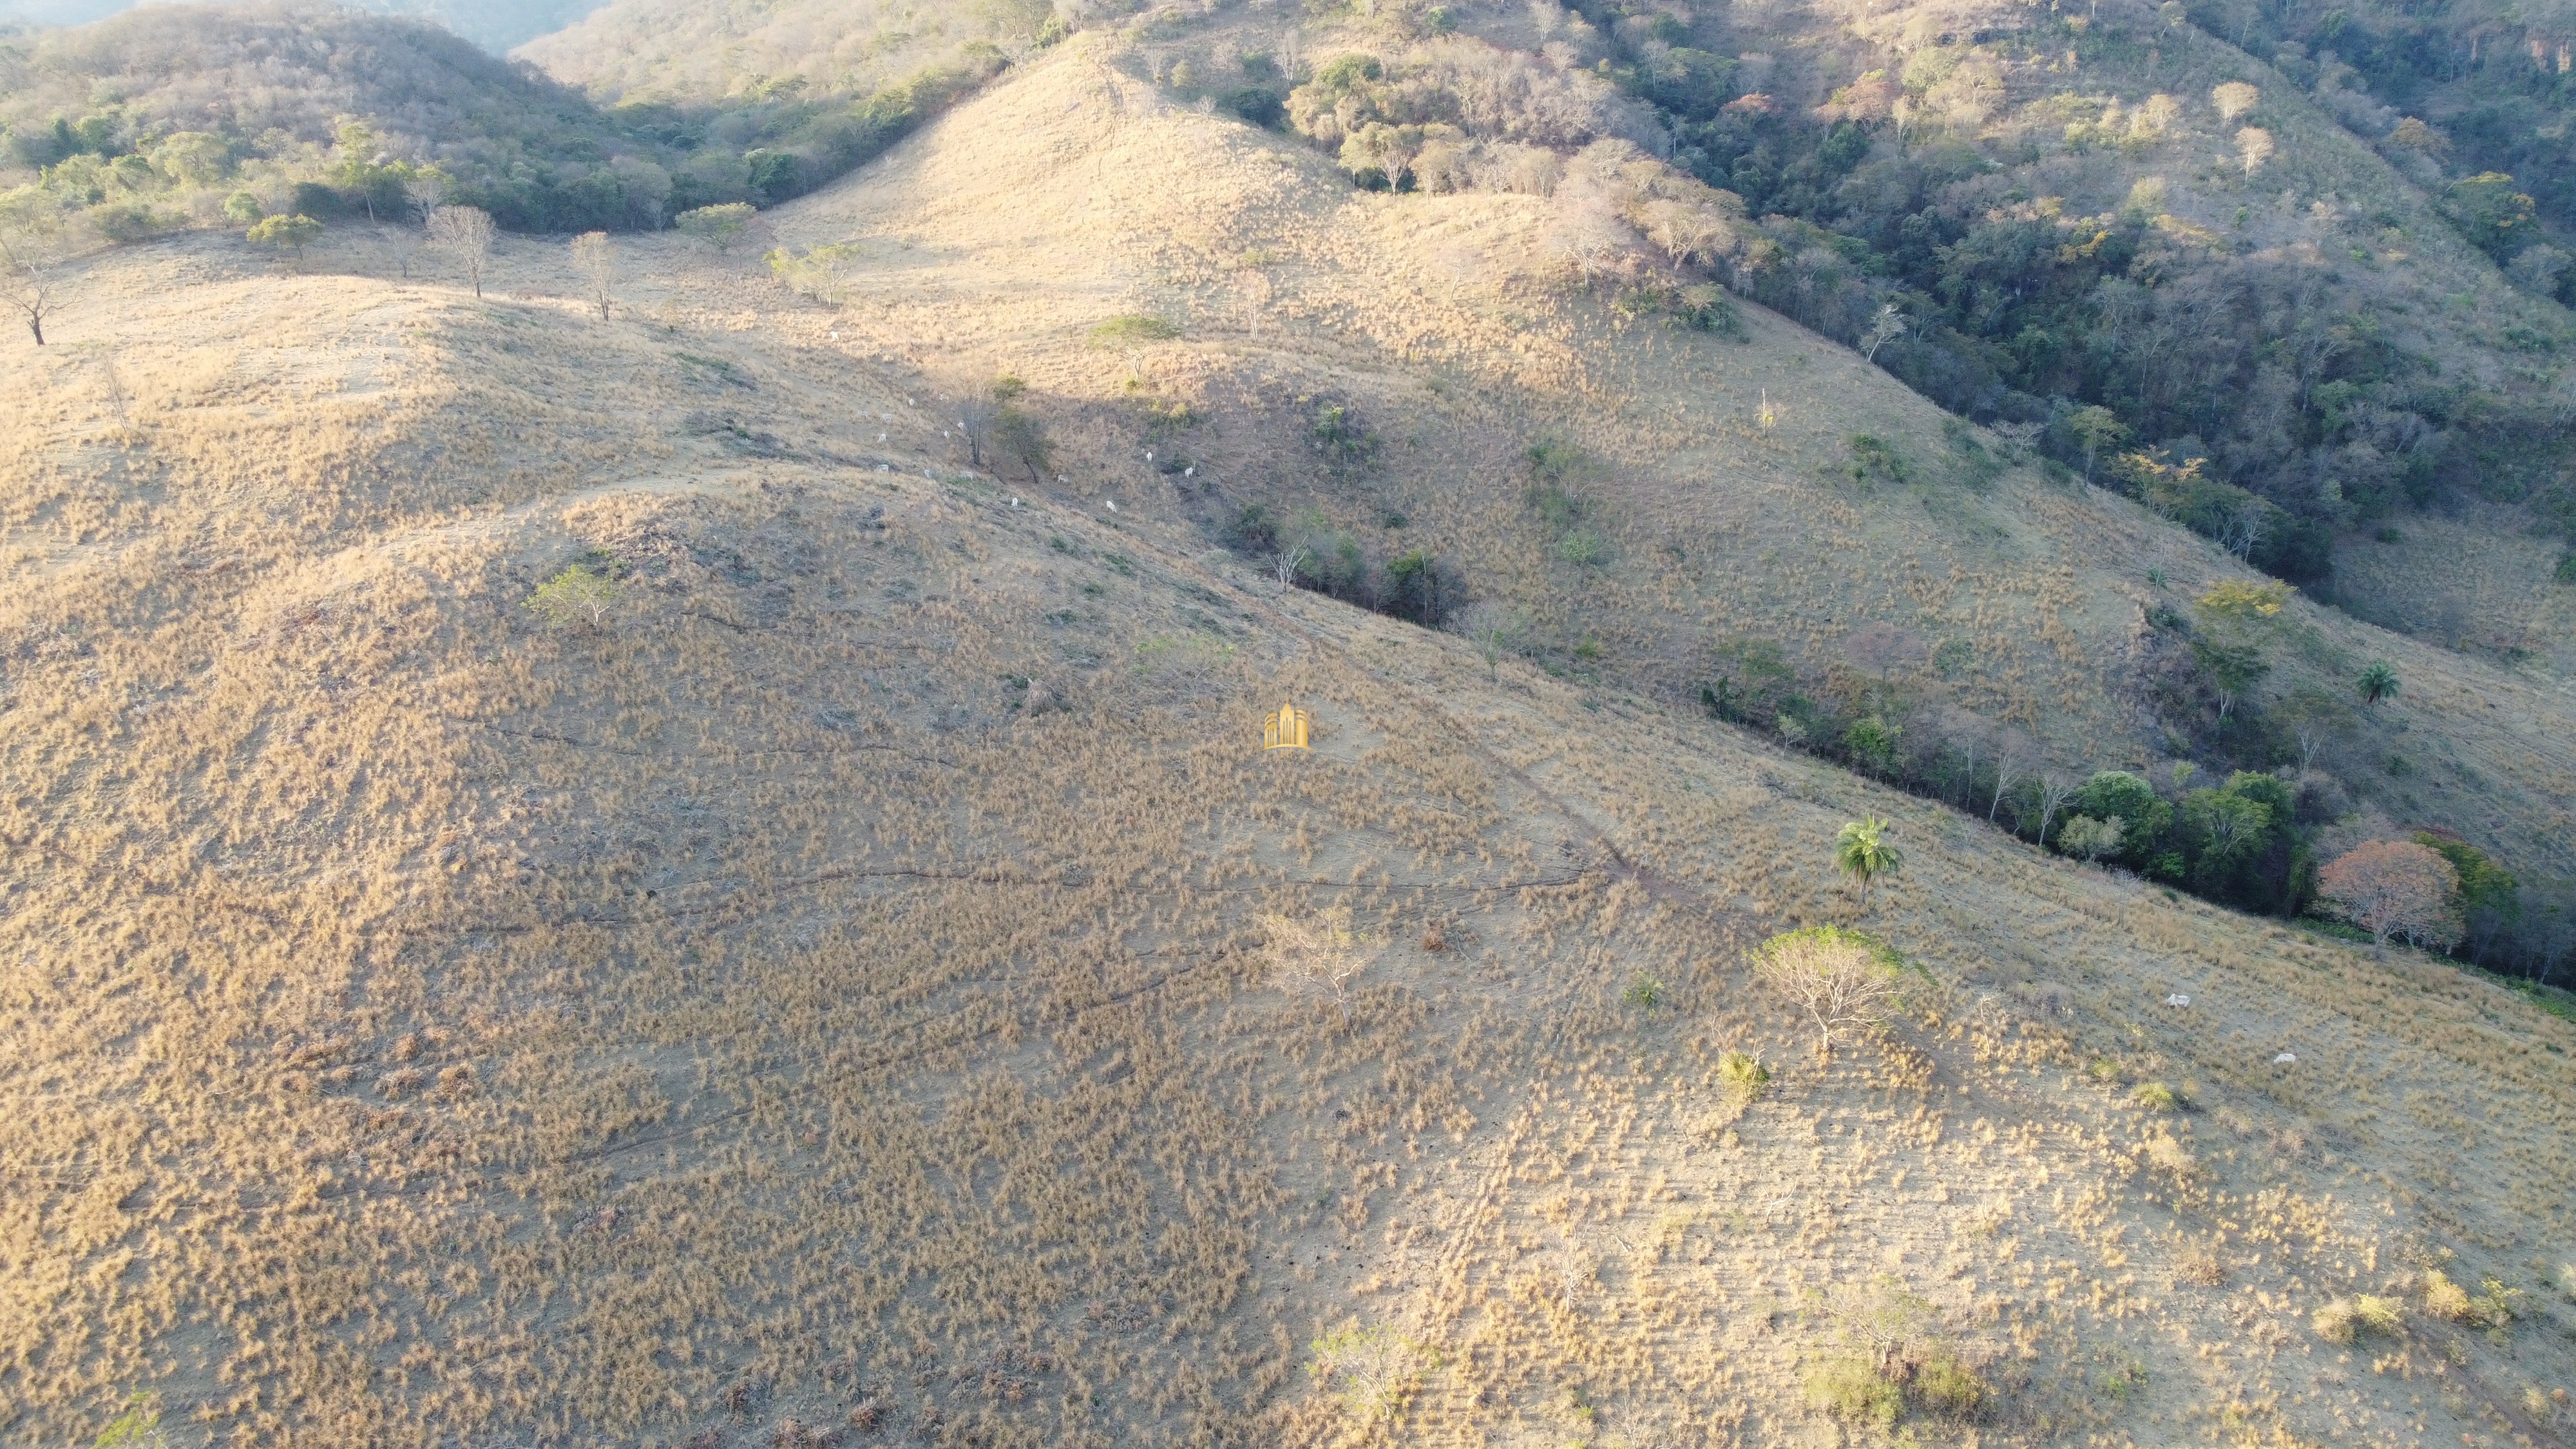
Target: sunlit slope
x=830, y=990
x=1453, y=329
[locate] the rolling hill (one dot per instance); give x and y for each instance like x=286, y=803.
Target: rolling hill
x=846, y=992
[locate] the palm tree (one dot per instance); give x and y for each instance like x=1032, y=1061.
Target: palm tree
x=2377, y=682
x=1864, y=854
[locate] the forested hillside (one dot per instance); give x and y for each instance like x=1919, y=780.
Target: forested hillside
x=176, y=116
x=2113, y=233
x=496, y=25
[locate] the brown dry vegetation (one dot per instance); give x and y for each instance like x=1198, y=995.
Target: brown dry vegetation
x=833, y=991
x=1450, y=325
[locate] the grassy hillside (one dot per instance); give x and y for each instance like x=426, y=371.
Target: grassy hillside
x=494, y=26
x=176, y=117
x=1373, y=371
x=828, y=1000
x=839, y=990
x=156, y=118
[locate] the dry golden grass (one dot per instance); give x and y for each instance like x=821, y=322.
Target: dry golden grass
x=997, y=240
x=426, y=1027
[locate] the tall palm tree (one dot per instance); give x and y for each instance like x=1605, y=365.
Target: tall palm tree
x=1864, y=854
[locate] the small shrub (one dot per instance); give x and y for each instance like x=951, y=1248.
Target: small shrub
x=286, y=233
x=1874, y=457
x=242, y=208
x=2198, y=1266
x=1133, y=328
x=2172, y=1156
x=1945, y=1385
x=1253, y=532
x=1342, y=437
x=2155, y=1097
x=2493, y=1306
x=1854, y=1391
x=1644, y=994
x=716, y=226
x=1744, y=1076
x=2346, y=1320
x=1583, y=548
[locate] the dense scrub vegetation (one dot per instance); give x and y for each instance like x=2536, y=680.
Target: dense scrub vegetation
x=2473, y=103
x=2253, y=837
x=169, y=117
x=2090, y=231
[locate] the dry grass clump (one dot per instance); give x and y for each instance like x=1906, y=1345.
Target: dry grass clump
x=2347, y=1320
x=1743, y=1076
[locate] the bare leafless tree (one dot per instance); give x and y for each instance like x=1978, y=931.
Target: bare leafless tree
x=1317, y=957
x=465, y=233
x=2007, y=770
x=1493, y=627
x=2310, y=742
x=1884, y=328
x=1290, y=560
x=975, y=420
x=2244, y=528
x=596, y=260
x=2054, y=791
x=423, y=194
x=27, y=278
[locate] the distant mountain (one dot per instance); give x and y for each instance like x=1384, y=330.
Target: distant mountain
x=496, y=25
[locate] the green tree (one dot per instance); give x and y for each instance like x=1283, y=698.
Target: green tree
x=1871, y=741
x=580, y=594
x=2229, y=827
x=717, y=226
x=2490, y=898
x=2121, y=796
x=1021, y=438
x=2377, y=682
x=2496, y=216
x=287, y=233
x=2096, y=428
x=1861, y=851
x=243, y=208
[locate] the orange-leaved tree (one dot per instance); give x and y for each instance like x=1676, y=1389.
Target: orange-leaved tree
x=2395, y=888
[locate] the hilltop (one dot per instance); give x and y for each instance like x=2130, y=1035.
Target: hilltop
x=839, y=991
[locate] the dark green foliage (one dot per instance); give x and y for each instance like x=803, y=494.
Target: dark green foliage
x=2144, y=818
x=1876, y=459
x=1018, y=437
x=1259, y=105
x=1415, y=589
x=2494, y=213
x=1341, y=436
x=2377, y=682
x=1870, y=741
x=1252, y=532
x=1751, y=679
